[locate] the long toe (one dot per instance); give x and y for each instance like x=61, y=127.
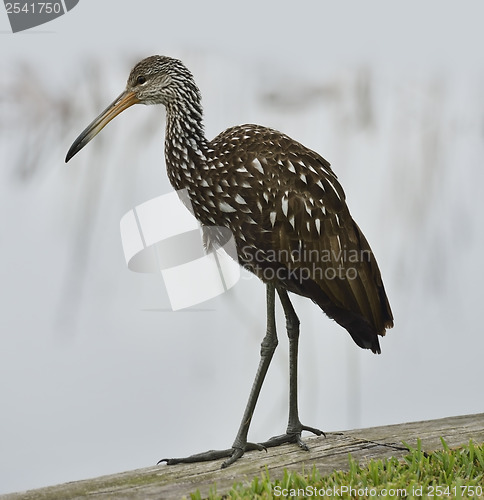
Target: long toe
x=318, y=432
x=282, y=439
x=292, y=436
x=232, y=455
x=238, y=452
x=199, y=457
x=301, y=443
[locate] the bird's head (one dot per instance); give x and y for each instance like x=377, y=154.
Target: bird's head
x=161, y=80
x=154, y=80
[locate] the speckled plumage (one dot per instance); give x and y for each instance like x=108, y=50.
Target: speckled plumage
x=279, y=199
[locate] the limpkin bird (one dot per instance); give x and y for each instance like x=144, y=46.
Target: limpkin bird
x=287, y=212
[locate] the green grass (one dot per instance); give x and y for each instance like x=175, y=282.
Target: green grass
x=449, y=473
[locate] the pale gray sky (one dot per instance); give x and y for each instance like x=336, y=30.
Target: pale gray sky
x=97, y=382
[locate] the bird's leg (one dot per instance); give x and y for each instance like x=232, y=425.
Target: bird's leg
x=240, y=445
x=294, y=426
x=268, y=346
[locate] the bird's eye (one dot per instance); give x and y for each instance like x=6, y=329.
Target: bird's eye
x=140, y=80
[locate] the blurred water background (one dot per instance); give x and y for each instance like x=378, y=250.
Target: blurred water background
x=96, y=374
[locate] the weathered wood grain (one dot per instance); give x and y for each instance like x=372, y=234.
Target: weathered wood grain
x=327, y=454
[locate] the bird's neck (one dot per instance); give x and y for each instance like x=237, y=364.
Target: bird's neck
x=186, y=147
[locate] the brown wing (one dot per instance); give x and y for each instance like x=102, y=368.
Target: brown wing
x=292, y=225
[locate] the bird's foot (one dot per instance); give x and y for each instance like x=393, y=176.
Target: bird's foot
x=232, y=455
x=293, y=435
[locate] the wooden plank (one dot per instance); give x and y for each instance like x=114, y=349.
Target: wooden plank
x=327, y=454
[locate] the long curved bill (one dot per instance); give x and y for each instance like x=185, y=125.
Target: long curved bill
x=122, y=102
